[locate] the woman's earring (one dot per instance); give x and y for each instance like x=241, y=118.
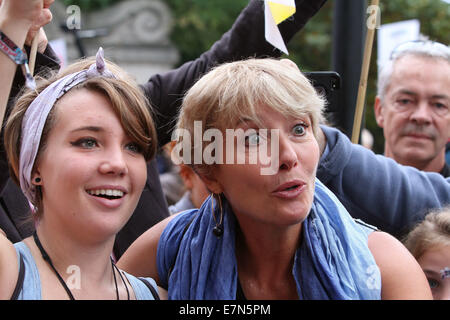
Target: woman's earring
x=37, y=180
x=218, y=229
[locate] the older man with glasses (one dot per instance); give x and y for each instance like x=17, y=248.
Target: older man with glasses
x=412, y=105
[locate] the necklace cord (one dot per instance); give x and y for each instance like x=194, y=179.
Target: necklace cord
x=115, y=280
x=123, y=280
x=46, y=257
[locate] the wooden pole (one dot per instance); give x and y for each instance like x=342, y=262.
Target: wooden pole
x=363, y=81
x=33, y=52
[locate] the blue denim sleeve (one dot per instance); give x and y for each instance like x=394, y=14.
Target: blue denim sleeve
x=377, y=189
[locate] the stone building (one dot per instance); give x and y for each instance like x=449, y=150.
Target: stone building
x=134, y=34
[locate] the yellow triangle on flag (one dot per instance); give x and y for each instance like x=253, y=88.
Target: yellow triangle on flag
x=280, y=12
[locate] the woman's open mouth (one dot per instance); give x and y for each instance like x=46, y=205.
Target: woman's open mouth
x=290, y=189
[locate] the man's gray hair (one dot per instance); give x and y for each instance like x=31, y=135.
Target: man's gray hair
x=427, y=49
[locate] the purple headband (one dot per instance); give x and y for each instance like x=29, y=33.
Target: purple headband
x=37, y=113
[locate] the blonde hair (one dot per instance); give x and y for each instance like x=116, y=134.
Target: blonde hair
x=433, y=231
x=127, y=101
x=235, y=91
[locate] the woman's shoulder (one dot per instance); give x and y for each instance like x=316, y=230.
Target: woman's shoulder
x=159, y=238
x=402, y=277
x=144, y=288
x=9, y=270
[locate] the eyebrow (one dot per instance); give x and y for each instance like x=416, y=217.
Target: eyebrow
x=440, y=96
x=88, y=128
x=411, y=93
x=404, y=91
x=431, y=272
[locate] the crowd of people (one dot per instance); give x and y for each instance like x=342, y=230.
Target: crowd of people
x=80, y=186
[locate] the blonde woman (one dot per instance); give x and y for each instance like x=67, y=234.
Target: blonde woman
x=270, y=230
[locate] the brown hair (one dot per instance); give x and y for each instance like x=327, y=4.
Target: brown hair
x=127, y=100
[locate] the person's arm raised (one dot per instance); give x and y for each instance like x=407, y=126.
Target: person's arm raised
x=245, y=39
x=17, y=18
x=376, y=189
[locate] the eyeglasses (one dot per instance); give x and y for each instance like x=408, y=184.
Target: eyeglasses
x=421, y=46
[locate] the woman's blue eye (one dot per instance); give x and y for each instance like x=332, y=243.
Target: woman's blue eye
x=134, y=147
x=87, y=143
x=252, y=140
x=299, y=129
x=433, y=283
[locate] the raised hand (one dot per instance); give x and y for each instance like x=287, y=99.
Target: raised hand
x=25, y=16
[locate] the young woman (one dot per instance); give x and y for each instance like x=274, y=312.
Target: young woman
x=271, y=230
x=78, y=147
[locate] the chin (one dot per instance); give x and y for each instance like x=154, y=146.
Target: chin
x=418, y=155
x=103, y=232
x=104, y=225
x=292, y=217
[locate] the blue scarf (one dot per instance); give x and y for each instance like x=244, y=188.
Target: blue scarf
x=332, y=262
